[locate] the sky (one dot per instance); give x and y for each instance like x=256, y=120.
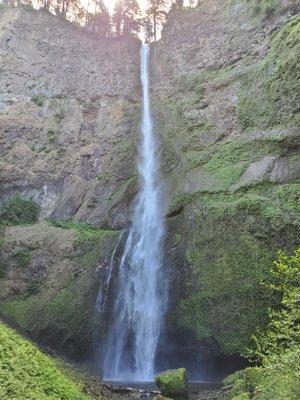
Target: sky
x=143, y=4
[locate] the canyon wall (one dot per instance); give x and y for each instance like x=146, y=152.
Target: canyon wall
x=224, y=90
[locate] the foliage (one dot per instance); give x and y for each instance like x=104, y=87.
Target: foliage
x=261, y=9
x=19, y=211
x=216, y=304
x=3, y=269
x=38, y=99
x=126, y=17
x=22, y=258
x=278, y=347
x=27, y=373
x=156, y=12
x=284, y=327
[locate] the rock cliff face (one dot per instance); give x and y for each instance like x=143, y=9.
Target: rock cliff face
x=69, y=118
x=224, y=86
x=224, y=89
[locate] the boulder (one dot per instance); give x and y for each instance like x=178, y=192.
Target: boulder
x=256, y=172
x=173, y=383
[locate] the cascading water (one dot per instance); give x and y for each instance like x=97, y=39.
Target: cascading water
x=139, y=309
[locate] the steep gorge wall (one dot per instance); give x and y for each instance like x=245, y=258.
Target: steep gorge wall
x=69, y=118
x=223, y=87
x=69, y=115
x=225, y=93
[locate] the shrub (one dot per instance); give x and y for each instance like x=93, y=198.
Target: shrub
x=38, y=99
x=284, y=327
x=19, y=211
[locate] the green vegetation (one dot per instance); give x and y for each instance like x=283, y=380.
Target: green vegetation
x=3, y=269
x=19, y=211
x=223, y=297
x=51, y=136
x=22, y=258
x=270, y=90
x=278, y=347
x=231, y=243
x=260, y=9
x=63, y=307
x=27, y=373
x=173, y=384
x=85, y=233
x=59, y=115
x=39, y=99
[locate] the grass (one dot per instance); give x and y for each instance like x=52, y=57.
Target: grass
x=28, y=374
x=22, y=258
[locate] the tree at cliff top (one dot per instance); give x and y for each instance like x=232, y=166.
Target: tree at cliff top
x=126, y=18
x=99, y=21
x=157, y=12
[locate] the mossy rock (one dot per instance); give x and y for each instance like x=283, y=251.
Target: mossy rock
x=173, y=383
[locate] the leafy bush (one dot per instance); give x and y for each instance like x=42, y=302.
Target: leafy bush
x=284, y=328
x=19, y=211
x=278, y=348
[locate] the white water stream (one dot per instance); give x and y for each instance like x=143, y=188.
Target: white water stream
x=141, y=302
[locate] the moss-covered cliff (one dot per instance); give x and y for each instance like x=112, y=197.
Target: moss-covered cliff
x=225, y=89
x=225, y=99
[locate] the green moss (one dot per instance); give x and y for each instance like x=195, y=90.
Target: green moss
x=19, y=211
x=270, y=90
x=193, y=85
x=34, y=287
x=18, y=311
x=217, y=304
x=22, y=258
x=51, y=136
x=38, y=99
x=260, y=9
x=25, y=372
x=173, y=384
x=3, y=269
x=230, y=245
x=60, y=312
x=179, y=202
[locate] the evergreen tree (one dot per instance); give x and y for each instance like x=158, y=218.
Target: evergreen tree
x=157, y=12
x=126, y=17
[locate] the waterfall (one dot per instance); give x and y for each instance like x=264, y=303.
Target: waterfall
x=140, y=306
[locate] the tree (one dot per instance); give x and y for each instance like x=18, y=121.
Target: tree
x=99, y=21
x=126, y=17
x=157, y=12
x=147, y=29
